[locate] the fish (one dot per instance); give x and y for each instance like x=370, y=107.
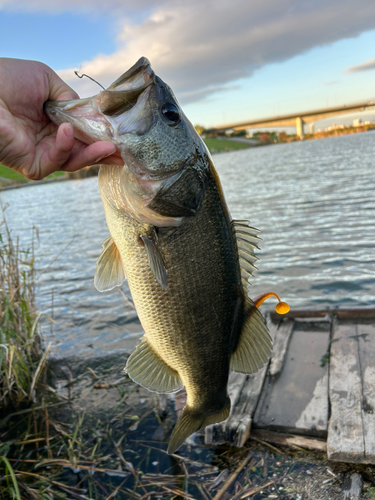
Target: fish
x=187, y=262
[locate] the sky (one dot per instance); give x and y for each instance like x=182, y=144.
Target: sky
x=226, y=61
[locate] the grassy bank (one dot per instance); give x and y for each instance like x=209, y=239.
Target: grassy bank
x=9, y=176
x=105, y=438
x=221, y=145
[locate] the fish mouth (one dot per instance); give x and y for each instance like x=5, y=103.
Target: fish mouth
x=95, y=118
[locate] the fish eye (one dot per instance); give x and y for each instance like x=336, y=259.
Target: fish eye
x=171, y=113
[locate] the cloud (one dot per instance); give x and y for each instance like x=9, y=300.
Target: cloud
x=202, y=45
x=88, y=6
x=362, y=67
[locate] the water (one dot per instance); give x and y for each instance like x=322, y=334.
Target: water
x=313, y=201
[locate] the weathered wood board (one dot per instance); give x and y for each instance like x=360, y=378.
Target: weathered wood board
x=295, y=399
x=280, y=346
x=366, y=341
x=236, y=429
x=351, y=433
x=244, y=392
x=323, y=366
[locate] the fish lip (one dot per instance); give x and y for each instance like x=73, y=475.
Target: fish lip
x=107, y=104
x=60, y=111
x=53, y=107
x=63, y=112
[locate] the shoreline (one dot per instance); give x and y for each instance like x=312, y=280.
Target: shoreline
x=251, y=144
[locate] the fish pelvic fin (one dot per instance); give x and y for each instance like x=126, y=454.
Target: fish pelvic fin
x=255, y=344
x=147, y=369
x=109, y=269
x=155, y=258
x=191, y=421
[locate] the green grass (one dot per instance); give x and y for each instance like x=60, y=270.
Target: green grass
x=214, y=144
x=10, y=174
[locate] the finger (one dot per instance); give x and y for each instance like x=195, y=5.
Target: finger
x=52, y=154
x=67, y=96
x=83, y=156
x=61, y=150
x=110, y=160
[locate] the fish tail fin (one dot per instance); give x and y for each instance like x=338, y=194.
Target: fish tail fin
x=191, y=421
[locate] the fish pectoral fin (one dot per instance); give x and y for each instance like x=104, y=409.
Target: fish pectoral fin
x=155, y=258
x=255, y=344
x=247, y=240
x=191, y=421
x=109, y=269
x=147, y=369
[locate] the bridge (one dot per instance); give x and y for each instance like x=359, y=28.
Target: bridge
x=296, y=119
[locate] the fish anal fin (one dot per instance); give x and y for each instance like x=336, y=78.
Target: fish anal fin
x=155, y=258
x=147, y=369
x=191, y=421
x=255, y=344
x=109, y=269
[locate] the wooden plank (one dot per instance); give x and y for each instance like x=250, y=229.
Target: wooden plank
x=366, y=342
x=363, y=312
x=236, y=429
x=273, y=325
x=345, y=432
x=244, y=391
x=292, y=440
x=297, y=400
x=280, y=346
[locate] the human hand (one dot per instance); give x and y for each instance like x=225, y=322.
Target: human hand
x=29, y=142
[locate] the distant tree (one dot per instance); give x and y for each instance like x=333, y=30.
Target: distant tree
x=264, y=137
x=201, y=130
x=238, y=133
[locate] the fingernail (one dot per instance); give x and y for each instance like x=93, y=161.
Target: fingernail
x=105, y=156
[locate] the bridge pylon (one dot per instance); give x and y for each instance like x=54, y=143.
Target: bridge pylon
x=299, y=127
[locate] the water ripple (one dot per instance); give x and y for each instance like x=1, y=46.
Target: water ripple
x=313, y=201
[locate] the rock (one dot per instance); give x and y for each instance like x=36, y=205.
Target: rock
x=352, y=487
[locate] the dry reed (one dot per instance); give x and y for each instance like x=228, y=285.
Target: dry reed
x=20, y=346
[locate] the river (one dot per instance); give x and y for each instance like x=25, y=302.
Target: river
x=313, y=201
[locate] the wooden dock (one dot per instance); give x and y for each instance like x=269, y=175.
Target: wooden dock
x=317, y=391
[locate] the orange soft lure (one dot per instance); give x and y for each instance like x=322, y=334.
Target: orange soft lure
x=281, y=308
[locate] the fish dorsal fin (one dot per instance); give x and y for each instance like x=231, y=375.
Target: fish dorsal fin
x=109, y=269
x=147, y=369
x=255, y=344
x=247, y=240
x=155, y=258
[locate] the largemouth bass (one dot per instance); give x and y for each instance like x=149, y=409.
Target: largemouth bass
x=171, y=236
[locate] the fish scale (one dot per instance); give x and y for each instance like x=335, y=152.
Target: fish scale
x=191, y=307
